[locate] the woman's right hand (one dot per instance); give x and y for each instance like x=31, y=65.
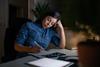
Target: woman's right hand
x=35, y=49
x=27, y=49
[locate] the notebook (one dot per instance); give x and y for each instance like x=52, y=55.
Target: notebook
x=48, y=62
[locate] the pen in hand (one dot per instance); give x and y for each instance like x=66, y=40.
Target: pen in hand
x=39, y=45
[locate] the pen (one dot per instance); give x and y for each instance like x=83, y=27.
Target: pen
x=38, y=45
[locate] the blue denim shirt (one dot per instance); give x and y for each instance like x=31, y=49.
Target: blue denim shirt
x=31, y=32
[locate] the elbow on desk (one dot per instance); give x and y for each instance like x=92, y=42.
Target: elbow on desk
x=62, y=46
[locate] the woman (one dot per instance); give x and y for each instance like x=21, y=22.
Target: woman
x=48, y=30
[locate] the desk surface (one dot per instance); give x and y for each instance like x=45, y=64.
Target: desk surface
x=21, y=61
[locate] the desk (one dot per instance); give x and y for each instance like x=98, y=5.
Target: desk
x=21, y=61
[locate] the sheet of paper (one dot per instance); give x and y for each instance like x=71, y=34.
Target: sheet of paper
x=47, y=62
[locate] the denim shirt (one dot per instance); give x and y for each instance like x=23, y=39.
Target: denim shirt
x=33, y=31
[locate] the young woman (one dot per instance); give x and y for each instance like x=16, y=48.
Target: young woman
x=48, y=30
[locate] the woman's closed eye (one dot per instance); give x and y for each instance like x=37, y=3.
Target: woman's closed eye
x=49, y=19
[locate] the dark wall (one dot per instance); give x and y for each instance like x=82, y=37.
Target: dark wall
x=84, y=11
x=89, y=14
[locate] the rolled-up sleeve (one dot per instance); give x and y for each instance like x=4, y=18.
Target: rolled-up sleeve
x=22, y=36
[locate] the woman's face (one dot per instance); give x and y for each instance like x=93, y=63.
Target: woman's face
x=49, y=22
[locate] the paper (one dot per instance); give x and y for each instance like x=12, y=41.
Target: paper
x=48, y=62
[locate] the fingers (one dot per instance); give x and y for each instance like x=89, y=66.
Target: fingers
x=35, y=49
x=59, y=23
x=55, y=25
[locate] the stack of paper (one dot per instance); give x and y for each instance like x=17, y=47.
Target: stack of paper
x=48, y=62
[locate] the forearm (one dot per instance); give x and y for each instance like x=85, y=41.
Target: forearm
x=22, y=48
x=62, y=37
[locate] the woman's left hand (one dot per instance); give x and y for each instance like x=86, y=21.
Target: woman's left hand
x=59, y=25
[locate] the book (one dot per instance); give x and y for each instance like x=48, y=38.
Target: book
x=48, y=62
